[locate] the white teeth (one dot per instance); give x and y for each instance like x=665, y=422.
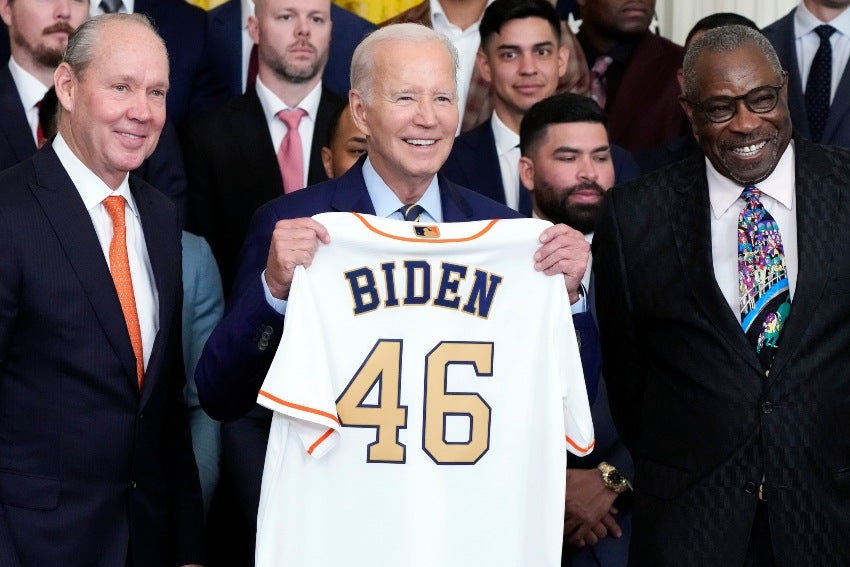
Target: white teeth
x=128, y=135
x=421, y=142
x=749, y=150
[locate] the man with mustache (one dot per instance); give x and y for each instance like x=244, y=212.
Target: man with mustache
x=38, y=33
x=724, y=327
x=237, y=158
x=567, y=167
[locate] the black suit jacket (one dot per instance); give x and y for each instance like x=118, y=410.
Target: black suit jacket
x=703, y=422
x=232, y=169
x=837, y=129
x=92, y=471
x=16, y=140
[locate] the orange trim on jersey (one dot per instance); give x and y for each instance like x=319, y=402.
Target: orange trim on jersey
x=299, y=407
x=482, y=232
x=578, y=447
x=319, y=441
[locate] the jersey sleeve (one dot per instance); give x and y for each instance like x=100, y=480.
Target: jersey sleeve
x=298, y=386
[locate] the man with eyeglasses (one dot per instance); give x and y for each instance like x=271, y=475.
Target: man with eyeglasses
x=724, y=327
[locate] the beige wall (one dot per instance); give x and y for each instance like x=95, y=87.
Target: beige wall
x=676, y=17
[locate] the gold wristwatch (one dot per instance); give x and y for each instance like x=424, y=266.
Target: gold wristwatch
x=613, y=479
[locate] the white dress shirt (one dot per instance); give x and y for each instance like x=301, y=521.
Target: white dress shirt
x=807, y=43
x=93, y=191
x=777, y=196
x=272, y=105
x=31, y=91
x=507, y=148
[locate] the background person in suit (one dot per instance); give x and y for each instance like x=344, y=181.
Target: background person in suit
x=797, y=44
x=231, y=154
x=231, y=45
x=404, y=101
x=740, y=446
x=567, y=167
x=101, y=368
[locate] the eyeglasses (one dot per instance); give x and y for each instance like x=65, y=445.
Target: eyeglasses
x=723, y=108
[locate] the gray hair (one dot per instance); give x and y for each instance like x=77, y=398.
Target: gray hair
x=362, y=62
x=80, y=51
x=723, y=39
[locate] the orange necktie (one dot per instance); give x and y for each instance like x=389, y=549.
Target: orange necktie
x=119, y=265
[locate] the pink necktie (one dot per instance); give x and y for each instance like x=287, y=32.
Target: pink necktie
x=290, y=156
x=598, y=87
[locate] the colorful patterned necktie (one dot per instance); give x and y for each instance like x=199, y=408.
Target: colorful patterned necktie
x=411, y=212
x=598, y=84
x=290, y=156
x=762, y=279
x=119, y=265
x=818, y=84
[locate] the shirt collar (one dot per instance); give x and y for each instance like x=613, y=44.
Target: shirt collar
x=805, y=22
x=506, y=139
x=724, y=192
x=386, y=202
x=30, y=89
x=91, y=188
x=272, y=104
x=247, y=12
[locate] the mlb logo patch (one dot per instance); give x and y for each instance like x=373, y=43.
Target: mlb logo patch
x=426, y=231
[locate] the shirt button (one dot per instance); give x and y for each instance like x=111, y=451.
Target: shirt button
x=750, y=488
x=766, y=408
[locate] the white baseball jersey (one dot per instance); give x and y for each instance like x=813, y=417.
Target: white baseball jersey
x=427, y=384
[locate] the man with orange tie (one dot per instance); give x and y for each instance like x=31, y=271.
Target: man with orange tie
x=267, y=141
x=96, y=462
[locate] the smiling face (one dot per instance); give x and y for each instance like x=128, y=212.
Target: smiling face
x=408, y=113
x=523, y=63
x=39, y=29
x=746, y=148
x=114, y=110
x=293, y=37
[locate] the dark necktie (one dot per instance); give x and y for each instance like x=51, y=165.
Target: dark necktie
x=411, y=212
x=819, y=84
x=110, y=6
x=762, y=279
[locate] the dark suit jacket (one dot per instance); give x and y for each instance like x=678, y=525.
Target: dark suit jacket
x=474, y=163
x=837, y=129
x=703, y=422
x=89, y=465
x=225, y=36
x=646, y=111
x=194, y=87
x=232, y=169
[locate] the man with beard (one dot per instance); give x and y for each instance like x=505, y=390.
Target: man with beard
x=632, y=72
x=258, y=146
x=38, y=31
x=567, y=167
x=724, y=327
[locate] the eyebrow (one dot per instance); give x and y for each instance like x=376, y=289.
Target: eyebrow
x=571, y=150
x=507, y=46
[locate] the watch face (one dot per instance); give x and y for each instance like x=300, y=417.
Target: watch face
x=616, y=479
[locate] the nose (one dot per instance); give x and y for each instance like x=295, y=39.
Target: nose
x=587, y=169
x=426, y=114
x=62, y=9
x=745, y=120
x=302, y=27
x=140, y=107
x=527, y=64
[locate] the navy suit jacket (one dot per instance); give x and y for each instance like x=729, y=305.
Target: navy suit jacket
x=232, y=169
x=837, y=129
x=225, y=36
x=474, y=163
x=92, y=470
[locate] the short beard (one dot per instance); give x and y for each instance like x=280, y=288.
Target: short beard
x=554, y=205
x=44, y=56
x=297, y=75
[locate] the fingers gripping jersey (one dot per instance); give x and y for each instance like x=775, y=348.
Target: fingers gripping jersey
x=427, y=384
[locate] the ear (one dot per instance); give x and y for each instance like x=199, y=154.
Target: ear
x=327, y=161
x=6, y=12
x=483, y=65
x=358, y=111
x=680, y=78
x=254, y=29
x=66, y=82
x=526, y=172
x=563, y=60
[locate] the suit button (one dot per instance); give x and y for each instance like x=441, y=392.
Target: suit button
x=132, y=484
x=766, y=408
x=750, y=488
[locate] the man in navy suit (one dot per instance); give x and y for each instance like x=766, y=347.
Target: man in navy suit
x=96, y=463
x=796, y=43
x=230, y=45
x=404, y=101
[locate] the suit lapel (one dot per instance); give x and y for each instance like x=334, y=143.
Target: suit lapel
x=455, y=207
x=691, y=222
x=254, y=142
x=839, y=108
x=14, y=123
x=73, y=226
x=817, y=195
x=351, y=194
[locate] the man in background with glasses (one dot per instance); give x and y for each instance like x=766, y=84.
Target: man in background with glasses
x=724, y=296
